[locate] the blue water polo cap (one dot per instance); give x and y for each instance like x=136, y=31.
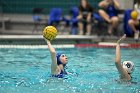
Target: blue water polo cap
x=58, y=58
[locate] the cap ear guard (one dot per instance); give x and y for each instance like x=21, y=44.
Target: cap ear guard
x=128, y=66
x=58, y=58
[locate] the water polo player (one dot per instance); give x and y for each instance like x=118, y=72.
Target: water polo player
x=59, y=60
x=127, y=67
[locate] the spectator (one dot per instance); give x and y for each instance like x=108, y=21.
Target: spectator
x=109, y=13
x=84, y=17
x=134, y=23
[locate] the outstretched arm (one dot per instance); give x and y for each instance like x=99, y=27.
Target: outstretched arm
x=124, y=74
x=54, y=65
x=118, y=54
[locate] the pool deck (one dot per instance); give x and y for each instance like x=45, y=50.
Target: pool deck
x=64, y=39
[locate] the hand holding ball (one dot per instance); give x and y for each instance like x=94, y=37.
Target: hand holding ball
x=49, y=32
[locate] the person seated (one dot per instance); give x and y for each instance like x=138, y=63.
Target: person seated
x=127, y=67
x=84, y=17
x=134, y=22
x=109, y=13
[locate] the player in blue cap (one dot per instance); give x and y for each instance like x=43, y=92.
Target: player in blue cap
x=59, y=61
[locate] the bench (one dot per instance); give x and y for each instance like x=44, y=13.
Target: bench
x=3, y=21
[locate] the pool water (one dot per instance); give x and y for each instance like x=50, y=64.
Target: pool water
x=92, y=71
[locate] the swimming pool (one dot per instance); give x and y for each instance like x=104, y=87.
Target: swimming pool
x=93, y=71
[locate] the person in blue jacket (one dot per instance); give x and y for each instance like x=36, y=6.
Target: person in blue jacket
x=109, y=12
x=134, y=22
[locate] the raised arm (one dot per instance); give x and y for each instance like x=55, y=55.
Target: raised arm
x=124, y=74
x=116, y=4
x=103, y=4
x=54, y=65
x=118, y=54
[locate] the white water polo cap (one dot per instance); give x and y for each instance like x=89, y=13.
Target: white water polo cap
x=128, y=66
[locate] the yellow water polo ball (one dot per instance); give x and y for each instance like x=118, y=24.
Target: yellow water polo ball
x=50, y=32
x=134, y=14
